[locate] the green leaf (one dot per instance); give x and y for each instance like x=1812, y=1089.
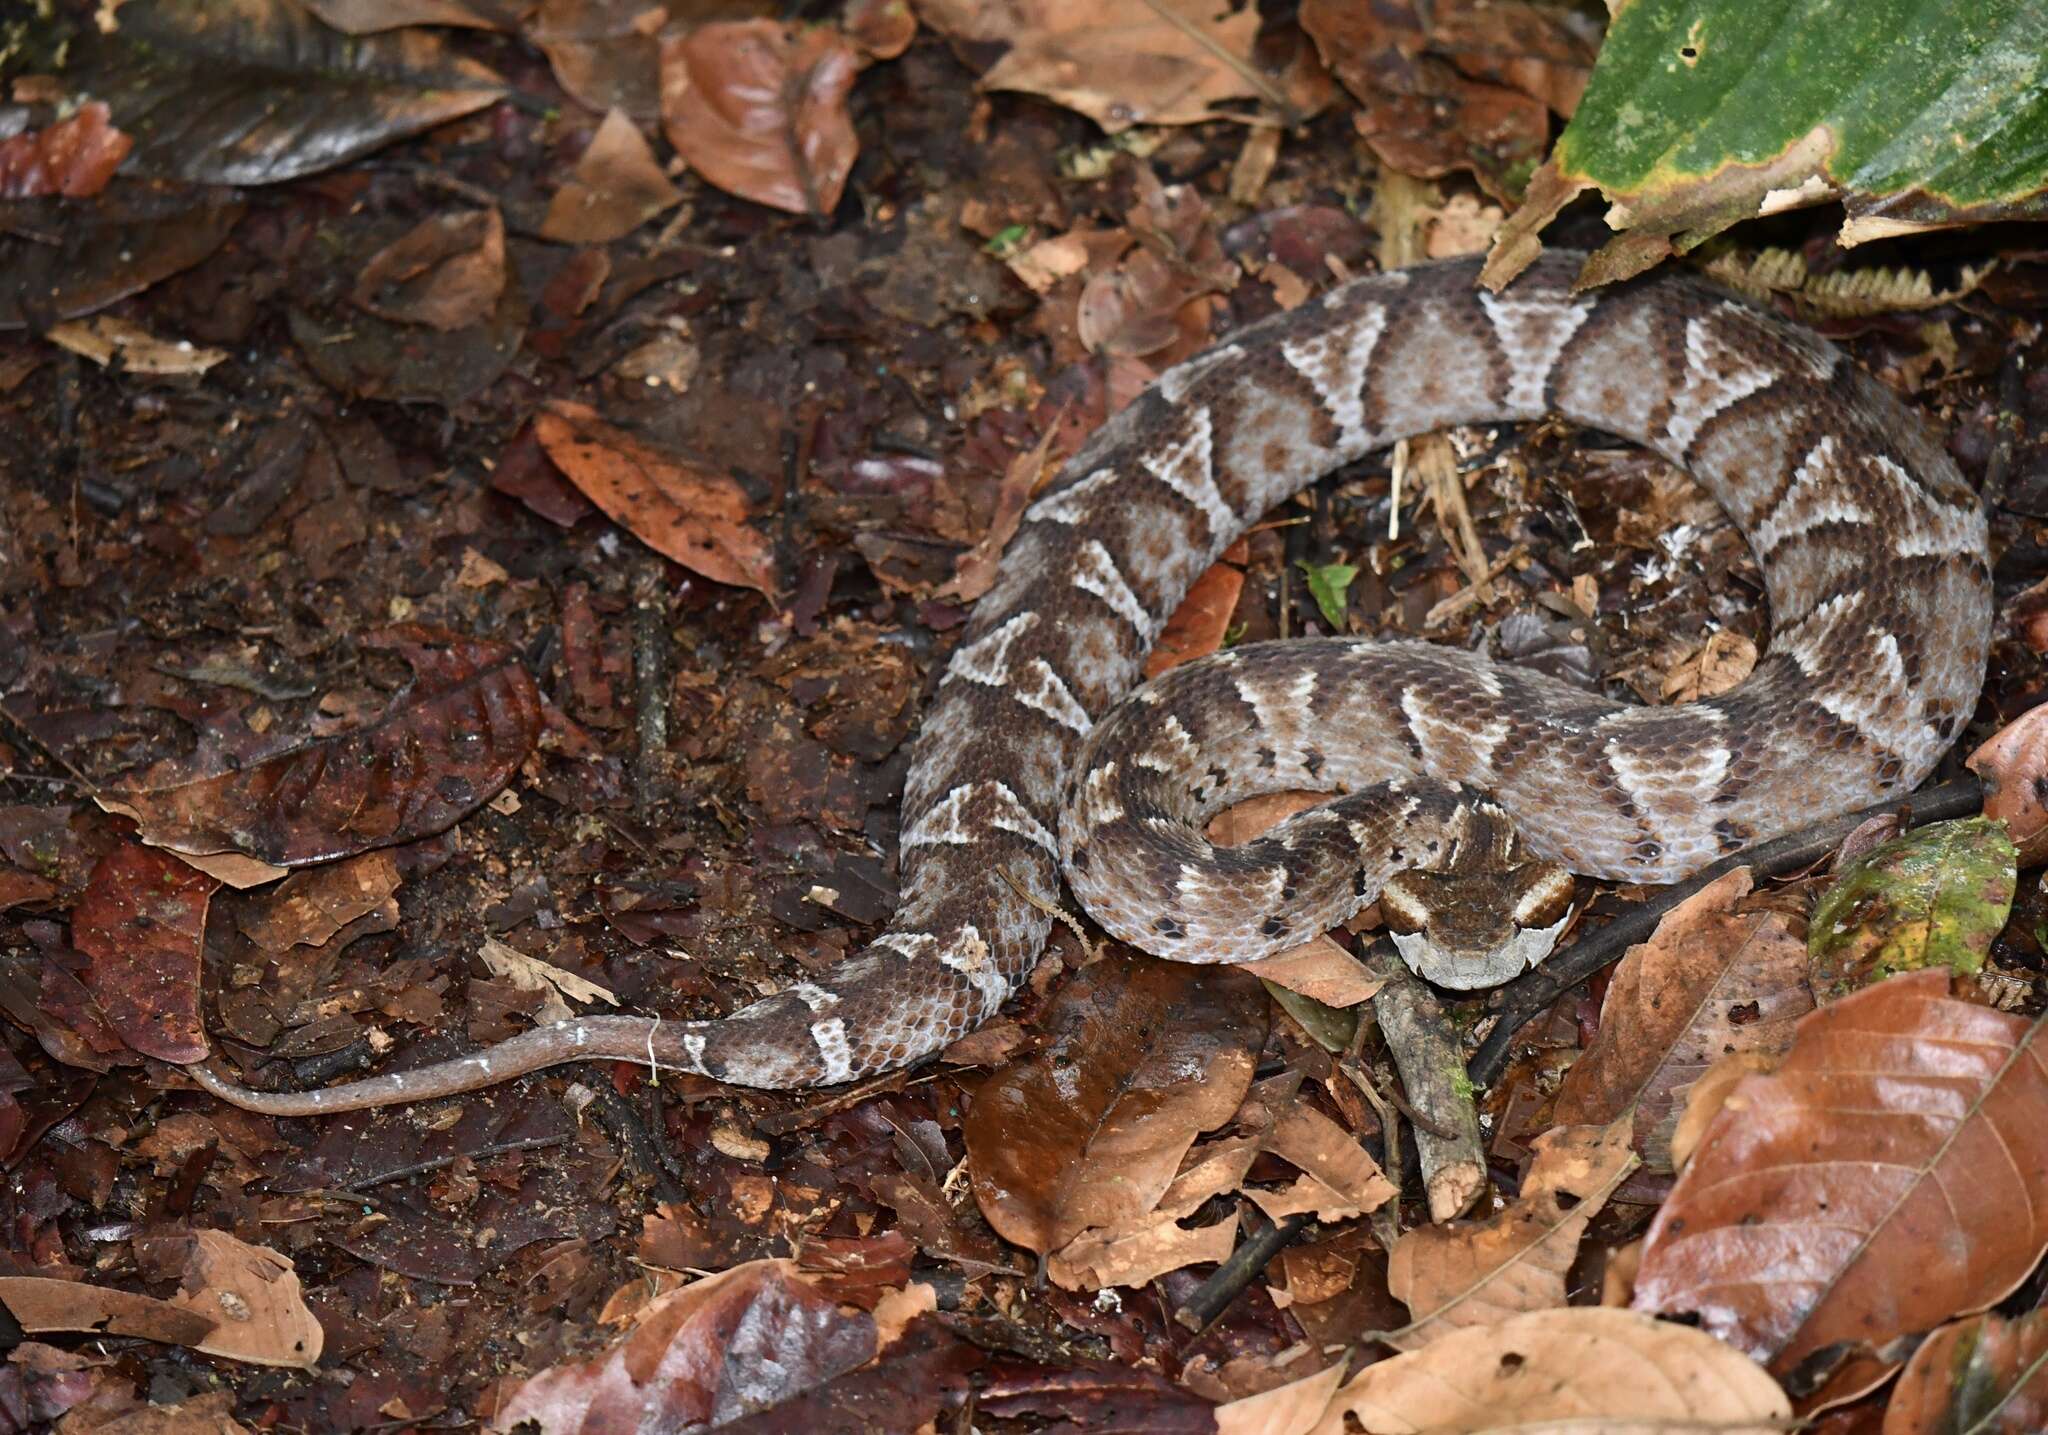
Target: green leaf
x=1700, y=113
x=1328, y=583
x=1935, y=897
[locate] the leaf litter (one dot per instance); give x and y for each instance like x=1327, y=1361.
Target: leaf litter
x=776, y=324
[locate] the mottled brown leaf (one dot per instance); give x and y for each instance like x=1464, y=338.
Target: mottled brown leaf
x=74, y=157
x=616, y=187
x=759, y=109
x=711, y=1353
x=680, y=510
x=444, y=748
x=1982, y=1376
x=1141, y=1056
x=1891, y=1174
x=1577, y=1371
x=1473, y=1273
x=445, y=272
x=142, y=920
x=1709, y=981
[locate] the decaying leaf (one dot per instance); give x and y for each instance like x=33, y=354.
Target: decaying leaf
x=1701, y=113
x=1141, y=1057
x=142, y=920
x=1891, y=1174
x=109, y=340
x=679, y=509
x=1575, y=1371
x=616, y=187
x=309, y=908
x=446, y=746
x=446, y=272
x=1199, y=625
x=1464, y=1274
x=1985, y=1376
x=1710, y=980
x=1936, y=896
x=759, y=109
x=716, y=1351
x=1338, y=1178
x=2013, y=762
x=1119, y=62
x=534, y=975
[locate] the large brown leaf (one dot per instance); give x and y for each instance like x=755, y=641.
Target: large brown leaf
x=450, y=742
x=759, y=109
x=1142, y=1057
x=1982, y=1376
x=1579, y=1371
x=1472, y=1273
x=142, y=920
x=1710, y=980
x=1891, y=1173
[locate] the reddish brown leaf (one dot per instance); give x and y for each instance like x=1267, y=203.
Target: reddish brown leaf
x=1891, y=1174
x=308, y=908
x=682, y=511
x=1198, y=625
x=736, y=1343
x=40, y=1303
x=443, y=749
x=142, y=920
x=883, y=28
x=1985, y=1375
x=759, y=109
x=1710, y=980
x=1141, y=1057
x=2014, y=765
x=446, y=272
x=74, y=157
x=1471, y=1273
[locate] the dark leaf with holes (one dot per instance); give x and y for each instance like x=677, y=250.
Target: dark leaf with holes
x=443, y=750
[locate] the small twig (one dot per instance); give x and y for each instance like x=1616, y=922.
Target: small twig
x=352, y=1192
x=1269, y=92
x=1242, y=1267
x=1428, y=1055
x=1535, y=992
x=1385, y=1218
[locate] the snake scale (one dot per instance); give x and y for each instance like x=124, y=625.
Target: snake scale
x=1874, y=557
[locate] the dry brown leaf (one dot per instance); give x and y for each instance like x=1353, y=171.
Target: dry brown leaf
x=759, y=109
x=446, y=272
x=1141, y=1057
x=1712, y=668
x=40, y=1303
x=1199, y=625
x=1578, y=1371
x=1321, y=970
x=680, y=510
x=883, y=28
x=2014, y=765
x=1339, y=1180
x=251, y=1293
x=1705, y=1096
x=1120, y=62
x=309, y=907
x=1474, y=1273
x=74, y=157
x=974, y=571
x=108, y=338
x=1134, y=1257
x=531, y=974
x=1710, y=980
x=616, y=187
x=1891, y=1174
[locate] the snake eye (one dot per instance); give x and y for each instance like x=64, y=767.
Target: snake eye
x=1402, y=909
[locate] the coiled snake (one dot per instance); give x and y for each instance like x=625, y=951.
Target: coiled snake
x=1874, y=557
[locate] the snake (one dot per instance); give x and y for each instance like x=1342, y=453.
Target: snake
x=1039, y=754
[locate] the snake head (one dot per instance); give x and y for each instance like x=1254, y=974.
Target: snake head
x=1470, y=929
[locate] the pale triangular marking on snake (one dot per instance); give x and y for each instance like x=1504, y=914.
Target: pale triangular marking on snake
x=1815, y=496
x=1038, y=687
x=1186, y=466
x=1716, y=375
x=1532, y=333
x=1943, y=528
x=1073, y=504
x=1096, y=572
x=1335, y=362
x=835, y=1053
x=987, y=659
